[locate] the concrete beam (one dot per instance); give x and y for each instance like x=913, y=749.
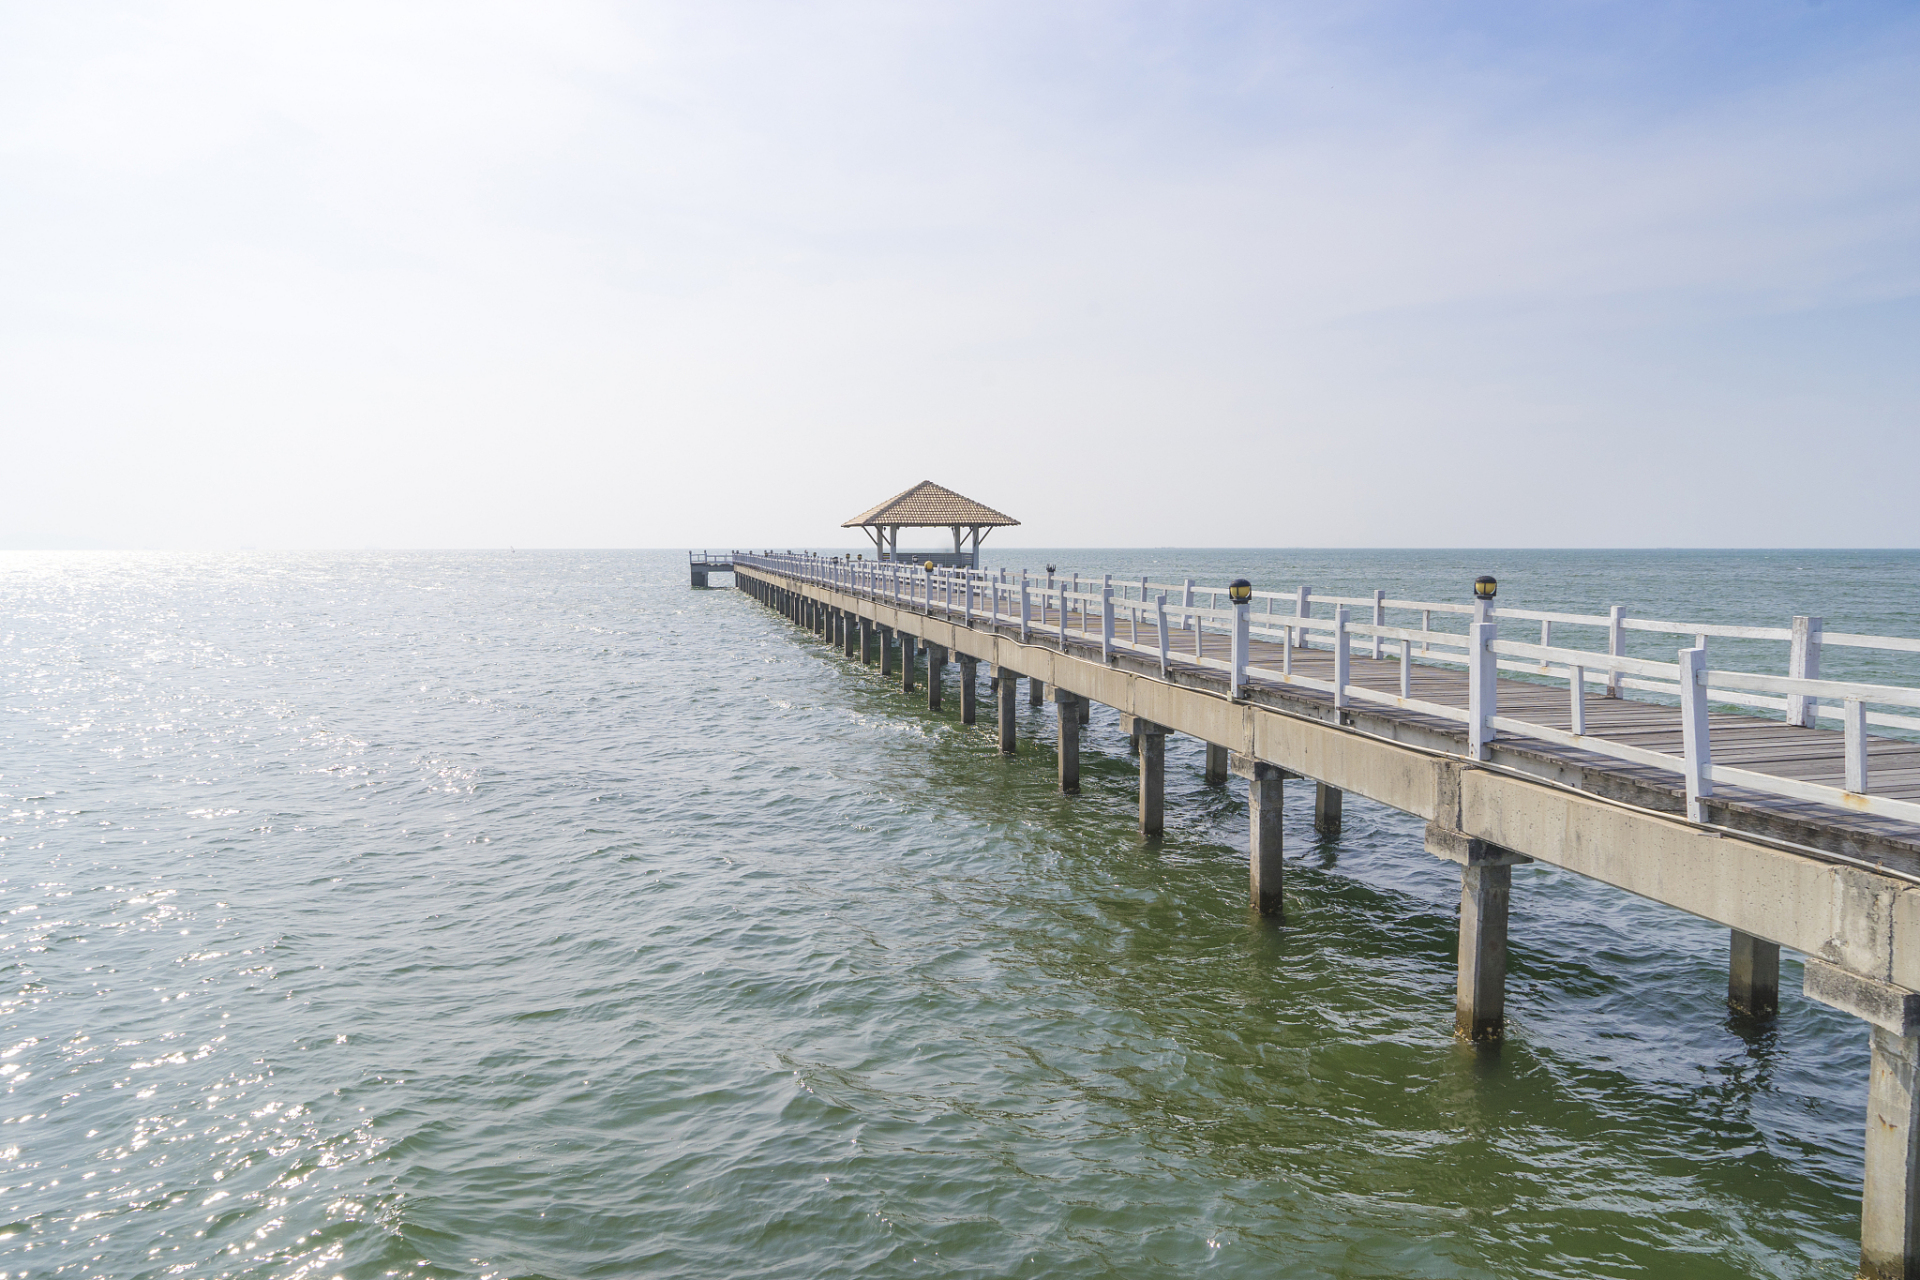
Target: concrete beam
x=1891, y=1008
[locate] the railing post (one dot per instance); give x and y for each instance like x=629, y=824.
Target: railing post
x=1106, y=623
x=1342, y=655
x=1242, y=617
x=1693, y=731
x=1379, y=618
x=1483, y=690
x=1025, y=611
x=1616, y=645
x=1186, y=602
x=1803, y=663
x=1303, y=608
x=1162, y=608
x=1060, y=598
x=1577, y=695
x=1855, y=720
x=969, y=600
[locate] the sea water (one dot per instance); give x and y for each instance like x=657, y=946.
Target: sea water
x=532, y=914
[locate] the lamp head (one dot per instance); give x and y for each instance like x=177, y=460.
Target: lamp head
x=1239, y=591
x=1049, y=571
x=1485, y=587
x=929, y=566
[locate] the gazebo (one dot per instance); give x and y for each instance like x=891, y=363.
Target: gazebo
x=928, y=506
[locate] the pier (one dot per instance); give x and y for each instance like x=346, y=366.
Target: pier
x=1760, y=801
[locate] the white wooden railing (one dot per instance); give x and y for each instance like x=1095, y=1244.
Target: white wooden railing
x=1113, y=615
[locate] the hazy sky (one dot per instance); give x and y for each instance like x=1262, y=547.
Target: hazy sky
x=577, y=274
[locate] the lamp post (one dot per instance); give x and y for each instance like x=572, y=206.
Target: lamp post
x=1240, y=591
x=1485, y=588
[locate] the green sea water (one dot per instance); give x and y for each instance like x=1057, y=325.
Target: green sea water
x=490, y=914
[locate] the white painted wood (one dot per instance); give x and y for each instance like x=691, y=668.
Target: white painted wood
x=1342, y=656
x=1026, y=608
x=1379, y=620
x=1855, y=713
x=1616, y=645
x=1239, y=679
x=1406, y=667
x=1803, y=663
x=1160, y=617
x=1577, y=696
x=1482, y=690
x=1426, y=624
x=1303, y=608
x=1106, y=622
x=1186, y=602
x=1698, y=753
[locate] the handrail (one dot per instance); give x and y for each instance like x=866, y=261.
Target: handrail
x=1109, y=615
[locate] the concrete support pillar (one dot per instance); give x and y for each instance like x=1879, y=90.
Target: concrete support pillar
x=1150, y=740
x=886, y=651
x=1326, y=810
x=969, y=688
x=1264, y=843
x=1216, y=766
x=866, y=640
x=1008, y=686
x=1486, y=882
x=1889, y=1205
x=909, y=646
x=1036, y=692
x=1069, y=722
x=1480, y=998
x=1083, y=707
x=1890, y=1198
x=1753, y=976
x=936, y=667
x=849, y=634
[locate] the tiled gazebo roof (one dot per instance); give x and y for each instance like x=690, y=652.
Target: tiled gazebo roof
x=927, y=505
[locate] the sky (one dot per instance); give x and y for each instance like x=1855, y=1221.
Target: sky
x=575, y=274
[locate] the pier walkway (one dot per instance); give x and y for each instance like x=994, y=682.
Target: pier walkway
x=1720, y=791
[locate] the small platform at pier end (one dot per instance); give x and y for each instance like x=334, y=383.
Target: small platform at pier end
x=702, y=563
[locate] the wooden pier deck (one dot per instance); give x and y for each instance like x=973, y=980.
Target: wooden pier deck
x=1717, y=792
